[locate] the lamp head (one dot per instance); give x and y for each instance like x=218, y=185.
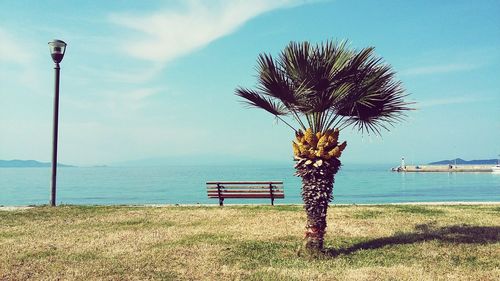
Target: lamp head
x=57, y=49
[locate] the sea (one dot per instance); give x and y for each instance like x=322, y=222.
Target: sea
x=354, y=184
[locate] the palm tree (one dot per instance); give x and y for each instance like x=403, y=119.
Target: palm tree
x=324, y=89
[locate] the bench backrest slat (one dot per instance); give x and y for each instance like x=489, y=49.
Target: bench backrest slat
x=246, y=187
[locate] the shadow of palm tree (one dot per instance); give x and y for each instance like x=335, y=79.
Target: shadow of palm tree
x=465, y=234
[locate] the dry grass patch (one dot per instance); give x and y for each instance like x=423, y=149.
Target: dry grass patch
x=386, y=242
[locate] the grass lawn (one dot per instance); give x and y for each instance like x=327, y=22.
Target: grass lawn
x=386, y=242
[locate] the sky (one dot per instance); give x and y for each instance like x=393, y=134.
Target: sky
x=155, y=80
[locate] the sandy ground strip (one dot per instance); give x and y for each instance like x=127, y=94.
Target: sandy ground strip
x=21, y=208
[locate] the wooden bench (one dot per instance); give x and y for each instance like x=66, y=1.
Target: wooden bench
x=245, y=190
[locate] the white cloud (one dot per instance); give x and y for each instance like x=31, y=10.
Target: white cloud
x=121, y=104
x=132, y=100
x=12, y=50
x=437, y=69
x=450, y=100
x=112, y=74
x=19, y=64
x=169, y=34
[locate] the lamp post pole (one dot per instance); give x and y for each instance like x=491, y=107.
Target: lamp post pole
x=57, y=49
x=54, y=136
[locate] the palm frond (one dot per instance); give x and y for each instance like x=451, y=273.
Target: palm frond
x=376, y=99
x=294, y=60
x=273, y=81
x=254, y=99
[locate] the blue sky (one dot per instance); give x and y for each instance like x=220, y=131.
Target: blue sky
x=156, y=79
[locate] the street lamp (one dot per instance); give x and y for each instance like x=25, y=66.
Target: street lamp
x=57, y=49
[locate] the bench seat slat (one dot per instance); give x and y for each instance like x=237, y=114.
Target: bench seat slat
x=244, y=191
x=223, y=194
x=238, y=193
x=244, y=182
x=243, y=196
x=256, y=189
x=249, y=196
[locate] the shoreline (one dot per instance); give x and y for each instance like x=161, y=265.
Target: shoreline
x=460, y=168
x=450, y=203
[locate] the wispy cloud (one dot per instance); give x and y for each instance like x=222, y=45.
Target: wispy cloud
x=18, y=62
x=114, y=74
x=119, y=104
x=170, y=34
x=12, y=49
x=439, y=69
x=451, y=100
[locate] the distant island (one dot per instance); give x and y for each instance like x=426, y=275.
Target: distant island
x=460, y=161
x=27, y=164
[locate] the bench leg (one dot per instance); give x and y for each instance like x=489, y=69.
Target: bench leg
x=221, y=201
x=272, y=201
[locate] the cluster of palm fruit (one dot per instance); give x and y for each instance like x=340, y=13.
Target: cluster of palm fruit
x=323, y=145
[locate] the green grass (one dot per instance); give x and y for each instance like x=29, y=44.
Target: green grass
x=382, y=242
x=420, y=210
x=367, y=214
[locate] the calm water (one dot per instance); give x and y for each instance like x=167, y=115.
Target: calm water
x=157, y=185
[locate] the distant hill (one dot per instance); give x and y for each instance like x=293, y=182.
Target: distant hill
x=460, y=161
x=27, y=164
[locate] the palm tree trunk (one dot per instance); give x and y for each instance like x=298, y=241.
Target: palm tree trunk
x=317, y=186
